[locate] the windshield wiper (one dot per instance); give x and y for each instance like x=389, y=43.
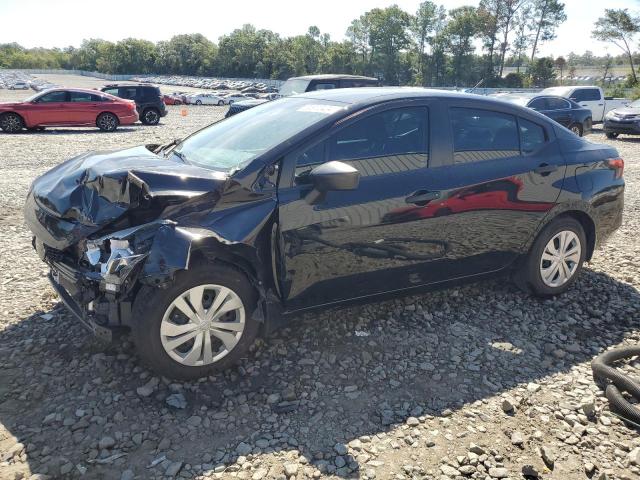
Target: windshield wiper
x=180, y=155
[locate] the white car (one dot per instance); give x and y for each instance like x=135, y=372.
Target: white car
x=205, y=99
x=19, y=86
x=234, y=97
x=591, y=97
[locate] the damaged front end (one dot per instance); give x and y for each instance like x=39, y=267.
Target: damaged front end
x=110, y=224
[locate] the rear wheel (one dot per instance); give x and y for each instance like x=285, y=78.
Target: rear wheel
x=576, y=128
x=198, y=102
x=177, y=102
x=612, y=135
x=11, y=122
x=201, y=324
x=220, y=103
x=555, y=259
x=107, y=122
x=150, y=116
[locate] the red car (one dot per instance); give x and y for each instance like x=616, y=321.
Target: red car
x=75, y=107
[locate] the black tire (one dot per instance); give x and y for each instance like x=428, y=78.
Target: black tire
x=198, y=102
x=36, y=129
x=11, y=122
x=612, y=135
x=107, y=122
x=220, y=103
x=577, y=129
x=151, y=116
x=529, y=276
x=152, y=303
x=177, y=102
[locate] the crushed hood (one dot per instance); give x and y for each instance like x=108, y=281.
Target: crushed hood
x=627, y=111
x=97, y=188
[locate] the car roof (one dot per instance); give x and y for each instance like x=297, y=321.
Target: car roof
x=82, y=90
x=353, y=96
x=332, y=76
x=111, y=85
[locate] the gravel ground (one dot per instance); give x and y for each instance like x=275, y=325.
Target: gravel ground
x=473, y=382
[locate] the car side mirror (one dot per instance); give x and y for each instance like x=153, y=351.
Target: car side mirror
x=331, y=176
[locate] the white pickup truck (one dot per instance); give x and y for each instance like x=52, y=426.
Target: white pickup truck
x=590, y=97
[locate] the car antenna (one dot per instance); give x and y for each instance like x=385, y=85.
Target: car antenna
x=476, y=85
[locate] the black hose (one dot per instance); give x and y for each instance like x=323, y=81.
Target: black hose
x=616, y=382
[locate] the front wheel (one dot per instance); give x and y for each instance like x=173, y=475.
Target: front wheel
x=198, y=102
x=220, y=103
x=11, y=123
x=612, y=135
x=201, y=324
x=107, y=122
x=555, y=259
x=577, y=129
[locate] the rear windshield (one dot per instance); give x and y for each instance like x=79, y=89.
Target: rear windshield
x=293, y=87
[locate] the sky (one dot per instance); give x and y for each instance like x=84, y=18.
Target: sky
x=60, y=23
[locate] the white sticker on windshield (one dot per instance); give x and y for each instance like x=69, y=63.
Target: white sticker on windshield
x=319, y=108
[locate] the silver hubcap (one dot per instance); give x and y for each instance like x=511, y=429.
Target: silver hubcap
x=11, y=123
x=575, y=130
x=560, y=258
x=151, y=116
x=202, y=325
x=107, y=122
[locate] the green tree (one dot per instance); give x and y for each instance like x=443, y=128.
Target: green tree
x=542, y=72
x=388, y=35
x=459, y=33
x=422, y=27
x=561, y=64
x=547, y=16
x=618, y=27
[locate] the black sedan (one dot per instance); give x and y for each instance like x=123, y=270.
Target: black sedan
x=312, y=201
x=564, y=111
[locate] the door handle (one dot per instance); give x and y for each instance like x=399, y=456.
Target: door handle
x=545, y=169
x=422, y=197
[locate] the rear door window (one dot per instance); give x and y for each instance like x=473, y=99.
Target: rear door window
x=480, y=135
x=558, y=104
x=84, y=97
x=324, y=86
x=538, y=104
x=129, y=93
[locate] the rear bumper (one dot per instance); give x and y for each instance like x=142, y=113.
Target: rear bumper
x=128, y=119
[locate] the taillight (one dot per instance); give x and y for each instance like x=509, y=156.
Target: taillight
x=617, y=165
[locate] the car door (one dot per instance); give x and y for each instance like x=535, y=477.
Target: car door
x=357, y=243
x=83, y=107
x=590, y=98
x=51, y=108
x=557, y=109
x=506, y=173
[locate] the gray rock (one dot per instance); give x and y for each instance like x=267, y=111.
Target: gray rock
x=106, y=443
x=127, y=475
x=517, y=439
x=449, y=471
x=290, y=469
x=243, y=448
x=173, y=469
x=259, y=474
x=148, y=388
x=548, y=455
x=176, y=400
x=498, y=472
x=340, y=448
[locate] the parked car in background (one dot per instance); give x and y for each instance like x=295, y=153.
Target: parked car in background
x=302, y=203
x=625, y=120
x=67, y=108
x=231, y=98
x=148, y=100
x=590, y=97
x=564, y=111
x=206, y=99
x=19, y=86
x=308, y=83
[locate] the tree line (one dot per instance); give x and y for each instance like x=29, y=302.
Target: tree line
x=432, y=46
